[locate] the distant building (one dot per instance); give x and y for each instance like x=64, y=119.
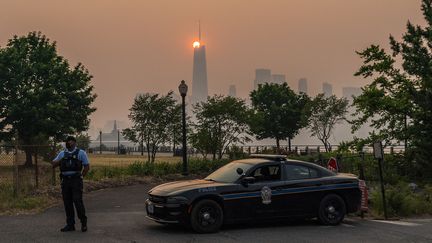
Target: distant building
x=327, y=89
x=278, y=78
x=199, y=77
x=302, y=86
x=111, y=139
x=262, y=76
x=350, y=92
x=232, y=91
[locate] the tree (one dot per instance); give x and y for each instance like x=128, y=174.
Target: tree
x=41, y=95
x=175, y=127
x=221, y=122
x=83, y=141
x=325, y=113
x=202, y=140
x=279, y=113
x=398, y=102
x=154, y=117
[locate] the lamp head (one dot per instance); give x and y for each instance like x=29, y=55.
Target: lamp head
x=183, y=88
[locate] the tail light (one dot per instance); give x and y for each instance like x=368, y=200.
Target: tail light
x=364, y=196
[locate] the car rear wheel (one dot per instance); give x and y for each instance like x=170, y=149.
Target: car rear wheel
x=332, y=210
x=206, y=216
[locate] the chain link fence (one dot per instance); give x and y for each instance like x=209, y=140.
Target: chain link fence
x=26, y=168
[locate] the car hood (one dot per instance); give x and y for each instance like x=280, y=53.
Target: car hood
x=176, y=187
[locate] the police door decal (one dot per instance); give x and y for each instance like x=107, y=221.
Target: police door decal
x=266, y=195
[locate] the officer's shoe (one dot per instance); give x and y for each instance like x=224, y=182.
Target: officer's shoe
x=84, y=227
x=68, y=228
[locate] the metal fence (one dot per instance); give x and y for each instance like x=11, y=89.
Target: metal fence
x=298, y=149
x=26, y=168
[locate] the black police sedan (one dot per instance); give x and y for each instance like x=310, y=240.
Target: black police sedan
x=263, y=187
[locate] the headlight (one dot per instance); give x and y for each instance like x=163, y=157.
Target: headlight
x=176, y=200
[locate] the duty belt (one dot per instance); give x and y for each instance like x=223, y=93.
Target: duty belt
x=77, y=175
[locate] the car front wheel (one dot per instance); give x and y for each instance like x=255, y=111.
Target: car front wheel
x=206, y=216
x=332, y=210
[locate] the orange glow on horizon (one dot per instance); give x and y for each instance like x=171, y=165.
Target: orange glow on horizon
x=196, y=44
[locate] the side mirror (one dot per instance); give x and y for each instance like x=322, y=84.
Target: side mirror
x=248, y=180
x=239, y=171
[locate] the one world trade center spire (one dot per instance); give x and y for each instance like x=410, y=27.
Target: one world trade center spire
x=199, y=77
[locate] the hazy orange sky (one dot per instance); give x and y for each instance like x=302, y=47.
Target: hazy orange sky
x=133, y=46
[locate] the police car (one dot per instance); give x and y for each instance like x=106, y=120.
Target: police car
x=258, y=188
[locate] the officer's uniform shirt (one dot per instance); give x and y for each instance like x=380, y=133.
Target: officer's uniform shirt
x=82, y=155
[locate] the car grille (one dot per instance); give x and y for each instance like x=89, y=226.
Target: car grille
x=157, y=199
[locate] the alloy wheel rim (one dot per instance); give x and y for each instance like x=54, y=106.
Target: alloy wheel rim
x=207, y=216
x=333, y=211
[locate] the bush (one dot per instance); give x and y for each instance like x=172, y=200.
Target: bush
x=402, y=201
x=195, y=166
x=236, y=152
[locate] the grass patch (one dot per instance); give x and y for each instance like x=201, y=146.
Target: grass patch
x=125, y=160
x=158, y=169
x=22, y=202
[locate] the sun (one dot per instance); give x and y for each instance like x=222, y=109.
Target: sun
x=196, y=44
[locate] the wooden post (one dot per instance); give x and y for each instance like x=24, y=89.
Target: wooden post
x=53, y=175
x=16, y=172
x=100, y=142
x=36, y=168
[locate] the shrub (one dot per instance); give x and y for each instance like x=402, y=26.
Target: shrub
x=236, y=152
x=402, y=201
x=195, y=166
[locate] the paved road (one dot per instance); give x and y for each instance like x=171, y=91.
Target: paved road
x=117, y=215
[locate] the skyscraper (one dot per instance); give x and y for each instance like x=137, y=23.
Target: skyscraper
x=199, y=78
x=302, y=86
x=327, y=89
x=262, y=76
x=232, y=91
x=278, y=78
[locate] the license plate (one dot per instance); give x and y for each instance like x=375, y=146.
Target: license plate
x=150, y=208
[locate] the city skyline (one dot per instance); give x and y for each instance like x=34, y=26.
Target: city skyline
x=128, y=52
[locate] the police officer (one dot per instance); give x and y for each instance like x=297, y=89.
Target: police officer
x=74, y=165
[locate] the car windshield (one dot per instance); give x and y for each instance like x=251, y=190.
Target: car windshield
x=228, y=173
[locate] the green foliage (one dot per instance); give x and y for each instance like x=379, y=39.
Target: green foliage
x=10, y=202
x=221, y=122
x=196, y=166
x=355, y=145
x=41, y=95
x=324, y=114
x=159, y=169
x=278, y=112
x=236, y=152
x=39, y=92
x=386, y=101
x=156, y=121
x=83, y=141
x=398, y=101
x=402, y=201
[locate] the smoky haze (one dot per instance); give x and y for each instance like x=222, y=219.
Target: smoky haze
x=138, y=46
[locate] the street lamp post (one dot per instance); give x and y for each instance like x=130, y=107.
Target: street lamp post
x=183, y=91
